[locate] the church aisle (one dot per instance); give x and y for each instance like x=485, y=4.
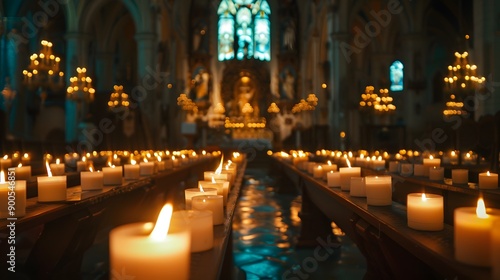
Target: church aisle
x=266, y=227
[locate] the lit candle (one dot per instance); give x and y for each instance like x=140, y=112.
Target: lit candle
x=116, y=160
x=378, y=190
x=425, y=211
x=146, y=168
x=329, y=167
x=429, y=163
x=473, y=226
x=460, y=176
x=217, y=175
x=222, y=187
x=160, y=165
x=357, y=187
x=200, y=224
x=378, y=164
x=318, y=172
x=436, y=173
x=333, y=179
x=5, y=162
x=151, y=254
x=25, y=160
x=51, y=188
x=212, y=203
x=488, y=180
x=175, y=162
x=90, y=180
x=191, y=192
x=112, y=175
x=345, y=175
x=406, y=169
x=23, y=172
x=131, y=171
x=81, y=165
x=16, y=190
x=57, y=168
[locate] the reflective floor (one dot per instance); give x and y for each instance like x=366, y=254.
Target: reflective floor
x=265, y=231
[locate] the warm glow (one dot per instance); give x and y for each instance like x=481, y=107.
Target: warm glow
x=133, y=162
x=20, y=165
x=159, y=158
x=481, y=209
x=160, y=230
x=49, y=172
x=348, y=162
x=319, y=167
x=26, y=155
x=91, y=169
x=2, y=177
x=424, y=198
x=329, y=163
x=5, y=157
x=219, y=169
x=201, y=187
x=213, y=180
x=488, y=173
x=431, y=157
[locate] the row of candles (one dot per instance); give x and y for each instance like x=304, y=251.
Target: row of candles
x=476, y=229
x=154, y=254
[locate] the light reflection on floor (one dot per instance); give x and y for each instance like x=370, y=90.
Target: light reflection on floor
x=265, y=230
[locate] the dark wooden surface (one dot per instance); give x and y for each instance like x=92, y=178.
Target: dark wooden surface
x=393, y=250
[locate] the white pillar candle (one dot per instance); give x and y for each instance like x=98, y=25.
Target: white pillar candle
x=473, y=226
x=147, y=168
x=150, y=257
x=425, y=211
x=202, y=230
x=406, y=169
x=460, y=176
x=5, y=162
x=91, y=180
x=378, y=190
x=212, y=203
x=16, y=191
x=345, y=176
x=318, y=172
x=189, y=193
x=112, y=175
x=418, y=169
x=436, y=173
x=429, y=163
x=333, y=179
x=81, y=165
x=495, y=252
x=488, y=180
x=131, y=171
x=358, y=187
x=378, y=164
x=57, y=168
x=51, y=188
x=23, y=172
x=394, y=166
x=219, y=185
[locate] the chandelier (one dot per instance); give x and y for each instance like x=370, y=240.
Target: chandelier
x=308, y=104
x=80, y=89
x=186, y=103
x=383, y=102
x=368, y=98
x=118, y=99
x=44, y=70
x=273, y=108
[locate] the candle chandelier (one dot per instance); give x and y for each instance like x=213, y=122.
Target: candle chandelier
x=308, y=104
x=118, y=99
x=186, y=103
x=377, y=103
x=44, y=70
x=80, y=89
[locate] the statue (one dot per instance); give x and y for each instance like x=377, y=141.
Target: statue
x=287, y=85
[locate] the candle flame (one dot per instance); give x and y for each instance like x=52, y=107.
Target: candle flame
x=213, y=180
x=49, y=172
x=84, y=158
x=424, y=198
x=133, y=162
x=173, y=157
x=319, y=167
x=25, y=155
x=115, y=156
x=91, y=169
x=467, y=155
x=481, y=209
x=145, y=160
x=58, y=161
x=159, y=158
x=203, y=152
x=348, y=162
x=109, y=164
x=219, y=169
x=5, y=157
x=488, y=173
x=162, y=225
x=201, y=188
x=453, y=153
x=329, y=163
x=2, y=177
x=20, y=165
x=431, y=157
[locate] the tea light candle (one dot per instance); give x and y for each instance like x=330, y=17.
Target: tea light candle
x=116, y=160
x=212, y=203
x=208, y=175
x=436, y=173
x=429, y=163
x=378, y=164
x=112, y=175
x=495, y=253
x=5, y=162
x=378, y=190
x=151, y=254
x=81, y=165
x=425, y=211
x=222, y=187
x=358, y=187
x=57, y=168
x=146, y=168
x=91, y=180
x=345, y=176
x=318, y=172
x=329, y=167
x=419, y=169
x=51, y=188
x=473, y=226
x=406, y=169
x=333, y=179
x=202, y=230
x=394, y=166
x=460, y=176
x=23, y=172
x=25, y=159
x=16, y=189
x=191, y=192
x=488, y=180
x=131, y=171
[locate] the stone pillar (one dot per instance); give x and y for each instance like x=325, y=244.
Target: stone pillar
x=104, y=79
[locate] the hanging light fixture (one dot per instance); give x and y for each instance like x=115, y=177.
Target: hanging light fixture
x=118, y=99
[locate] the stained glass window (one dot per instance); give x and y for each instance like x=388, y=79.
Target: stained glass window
x=244, y=30
x=396, y=75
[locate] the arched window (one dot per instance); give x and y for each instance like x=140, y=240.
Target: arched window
x=396, y=75
x=244, y=30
